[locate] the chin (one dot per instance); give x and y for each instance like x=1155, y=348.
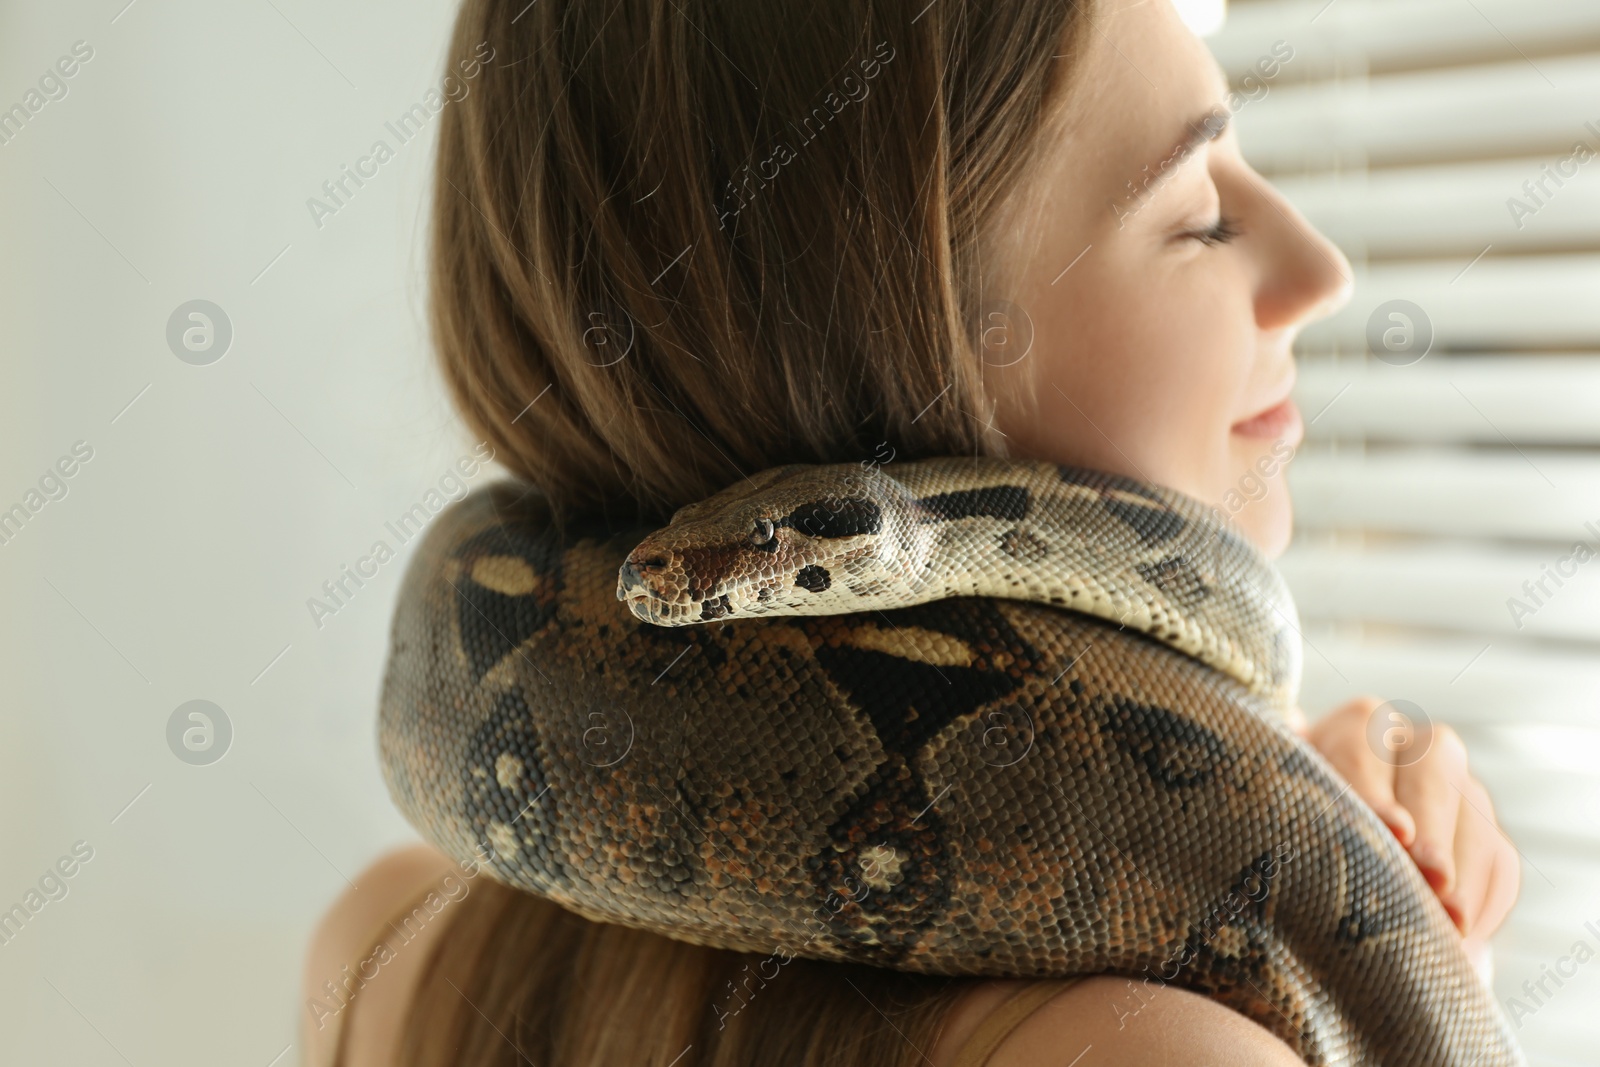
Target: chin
x=1269, y=523
x=1259, y=498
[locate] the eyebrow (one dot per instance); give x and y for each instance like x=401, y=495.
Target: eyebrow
x=1206, y=128
x=1200, y=131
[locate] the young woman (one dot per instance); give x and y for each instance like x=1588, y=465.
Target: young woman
x=677, y=240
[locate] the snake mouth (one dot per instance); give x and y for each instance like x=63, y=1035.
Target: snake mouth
x=646, y=608
x=658, y=611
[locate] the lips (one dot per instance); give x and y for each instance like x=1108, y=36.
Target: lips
x=1280, y=421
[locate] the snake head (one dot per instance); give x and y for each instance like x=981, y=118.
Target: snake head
x=795, y=540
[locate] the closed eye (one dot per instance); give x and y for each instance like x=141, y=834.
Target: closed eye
x=1224, y=231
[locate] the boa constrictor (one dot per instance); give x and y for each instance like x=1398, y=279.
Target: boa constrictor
x=969, y=717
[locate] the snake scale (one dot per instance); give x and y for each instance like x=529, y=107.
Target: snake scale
x=957, y=716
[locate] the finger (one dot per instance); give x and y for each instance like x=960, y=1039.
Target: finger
x=1342, y=738
x=1428, y=789
x=1485, y=908
x=1476, y=851
x=1504, y=888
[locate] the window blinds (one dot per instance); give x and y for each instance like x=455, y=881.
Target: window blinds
x=1452, y=149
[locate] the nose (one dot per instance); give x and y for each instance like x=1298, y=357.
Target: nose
x=1304, y=275
x=631, y=575
x=628, y=577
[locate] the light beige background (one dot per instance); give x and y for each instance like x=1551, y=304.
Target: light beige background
x=176, y=168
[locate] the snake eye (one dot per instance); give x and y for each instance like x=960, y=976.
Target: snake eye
x=763, y=533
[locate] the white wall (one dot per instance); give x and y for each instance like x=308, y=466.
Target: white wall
x=178, y=167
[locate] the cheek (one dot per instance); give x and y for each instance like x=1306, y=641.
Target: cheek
x=1153, y=363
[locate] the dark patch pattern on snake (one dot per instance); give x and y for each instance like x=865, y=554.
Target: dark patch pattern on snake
x=1174, y=750
x=1154, y=525
x=1177, y=577
x=1295, y=763
x=1150, y=516
x=887, y=839
x=495, y=621
x=1373, y=911
x=996, y=502
x=715, y=608
x=835, y=518
x=909, y=702
x=813, y=577
x=1104, y=481
x=509, y=802
x=1023, y=546
x=892, y=833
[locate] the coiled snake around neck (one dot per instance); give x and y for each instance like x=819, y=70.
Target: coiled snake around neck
x=958, y=716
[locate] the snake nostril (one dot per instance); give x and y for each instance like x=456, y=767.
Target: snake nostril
x=633, y=571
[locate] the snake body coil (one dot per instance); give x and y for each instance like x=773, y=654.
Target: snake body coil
x=976, y=717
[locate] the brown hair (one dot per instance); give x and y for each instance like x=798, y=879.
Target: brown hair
x=519, y=980
x=680, y=241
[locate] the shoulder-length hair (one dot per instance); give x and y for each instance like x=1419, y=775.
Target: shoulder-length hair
x=680, y=241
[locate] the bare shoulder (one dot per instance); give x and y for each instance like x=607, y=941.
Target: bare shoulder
x=1164, y=1025
x=343, y=970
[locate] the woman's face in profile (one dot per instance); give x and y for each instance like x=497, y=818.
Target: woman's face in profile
x=1165, y=279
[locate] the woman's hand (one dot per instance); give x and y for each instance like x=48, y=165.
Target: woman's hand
x=1440, y=813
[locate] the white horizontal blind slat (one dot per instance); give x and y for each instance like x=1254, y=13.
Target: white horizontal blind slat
x=1385, y=33
x=1498, y=302
x=1447, y=586
x=1479, y=681
x=1457, y=209
x=1528, y=399
x=1440, y=492
x=1519, y=107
